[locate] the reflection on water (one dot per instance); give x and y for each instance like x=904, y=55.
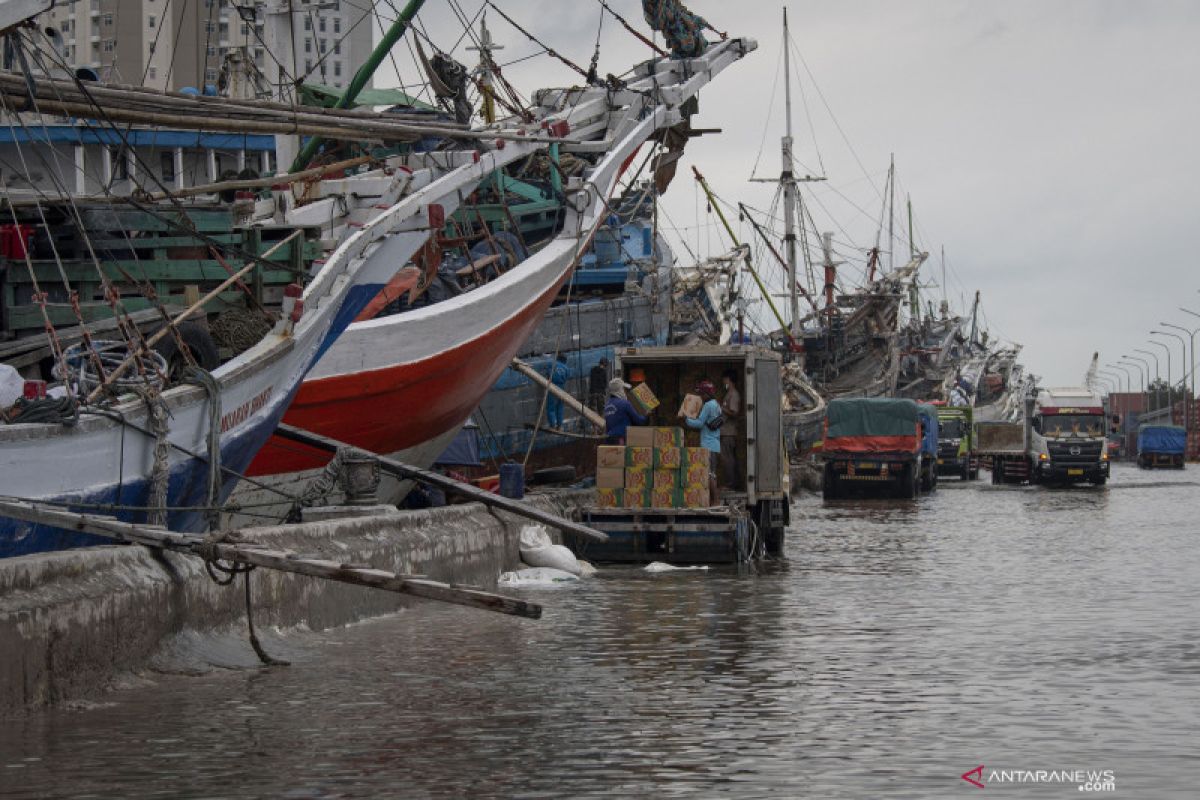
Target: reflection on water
x=896, y=647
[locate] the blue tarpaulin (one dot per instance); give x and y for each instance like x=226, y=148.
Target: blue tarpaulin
x=929, y=442
x=1170, y=439
x=463, y=450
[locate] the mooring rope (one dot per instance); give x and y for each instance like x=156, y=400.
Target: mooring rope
x=203, y=378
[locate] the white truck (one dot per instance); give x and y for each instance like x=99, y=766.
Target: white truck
x=1066, y=436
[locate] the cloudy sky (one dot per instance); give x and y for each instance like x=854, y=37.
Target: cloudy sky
x=1049, y=146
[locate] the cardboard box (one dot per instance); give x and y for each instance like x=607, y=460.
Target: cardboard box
x=639, y=436
x=665, y=479
x=694, y=475
x=642, y=398
x=610, y=455
x=610, y=478
x=666, y=498
x=695, y=496
x=691, y=405
x=668, y=457
x=634, y=498
x=668, y=437
x=639, y=457
x=637, y=479
x=610, y=498
x=695, y=455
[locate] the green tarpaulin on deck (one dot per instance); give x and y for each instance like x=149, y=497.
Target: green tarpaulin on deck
x=316, y=94
x=871, y=416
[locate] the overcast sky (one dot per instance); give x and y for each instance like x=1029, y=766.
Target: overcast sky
x=1049, y=146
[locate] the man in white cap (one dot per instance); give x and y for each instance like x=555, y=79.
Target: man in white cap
x=619, y=413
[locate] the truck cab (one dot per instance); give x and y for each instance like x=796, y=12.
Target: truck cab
x=1067, y=438
x=956, y=443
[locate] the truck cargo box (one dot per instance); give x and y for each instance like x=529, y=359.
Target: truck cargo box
x=871, y=425
x=1170, y=439
x=1000, y=438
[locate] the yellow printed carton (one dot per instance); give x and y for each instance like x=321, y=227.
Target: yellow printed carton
x=609, y=455
x=637, y=479
x=635, y=498
x=694, y=475
x=665, y=479
x=639, y=436
x=639, y=457
x=668, y=457
x=691, y=405
x=668, y=437
x=695, y=496
x=643, y=399
x=666, y=498
x=610, y=498
x=610, y=478
x=695, y=455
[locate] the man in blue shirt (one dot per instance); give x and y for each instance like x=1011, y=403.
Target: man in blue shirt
x=619, y=413
x=554, y=404
x=710, y=437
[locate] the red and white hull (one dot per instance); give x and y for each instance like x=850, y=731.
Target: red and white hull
x=404, y=385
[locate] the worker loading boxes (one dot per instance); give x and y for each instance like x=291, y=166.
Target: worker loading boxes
x=705, y=479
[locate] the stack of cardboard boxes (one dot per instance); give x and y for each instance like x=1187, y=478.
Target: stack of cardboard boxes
x=653, y=470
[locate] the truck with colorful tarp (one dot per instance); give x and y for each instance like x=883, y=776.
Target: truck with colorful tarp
x=881, y=447
x=1161, y=446
x=956, y=443
x=1067, y=441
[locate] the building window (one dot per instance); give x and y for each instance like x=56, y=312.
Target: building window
x=308, y=65
x=212, y=50
x=210, y=74
x=109, y=45
x=308, y=45
x=308, y=23
x=337, y=48
x=152, y=73
x=66, y=26
x=322, y=45
x=337, y=24
x=337, y=69
x=245, y=29
x=321, y=22
x=167, y=160
x=108, y=19
x=150, y=21
x=120, y=163
x=210, y=26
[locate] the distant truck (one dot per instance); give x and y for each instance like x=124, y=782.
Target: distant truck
x=1002, y=448
x=1067, y=440
x=956, y=443
x=879, y=447
x=1161, y=446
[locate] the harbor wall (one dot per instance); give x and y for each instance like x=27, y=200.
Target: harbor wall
x=74, y=621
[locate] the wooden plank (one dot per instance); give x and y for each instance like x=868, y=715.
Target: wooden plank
x=448, y=484
x=567, y=398
x=243, y=552
x=182, y=270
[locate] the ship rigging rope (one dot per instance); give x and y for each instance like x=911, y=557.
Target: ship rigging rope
x=93, y=355
x=584, y=243
x=130, y=332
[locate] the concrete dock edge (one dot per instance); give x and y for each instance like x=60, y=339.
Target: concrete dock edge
x=73, y=621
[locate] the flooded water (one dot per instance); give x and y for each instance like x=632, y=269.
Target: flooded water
x=896, y=647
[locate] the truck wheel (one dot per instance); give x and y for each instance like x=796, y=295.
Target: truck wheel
x=996, y=473
x=910, y=480
x=1100, y=481
x=829, y=484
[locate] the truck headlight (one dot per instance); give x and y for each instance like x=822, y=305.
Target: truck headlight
x=1043, y=457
